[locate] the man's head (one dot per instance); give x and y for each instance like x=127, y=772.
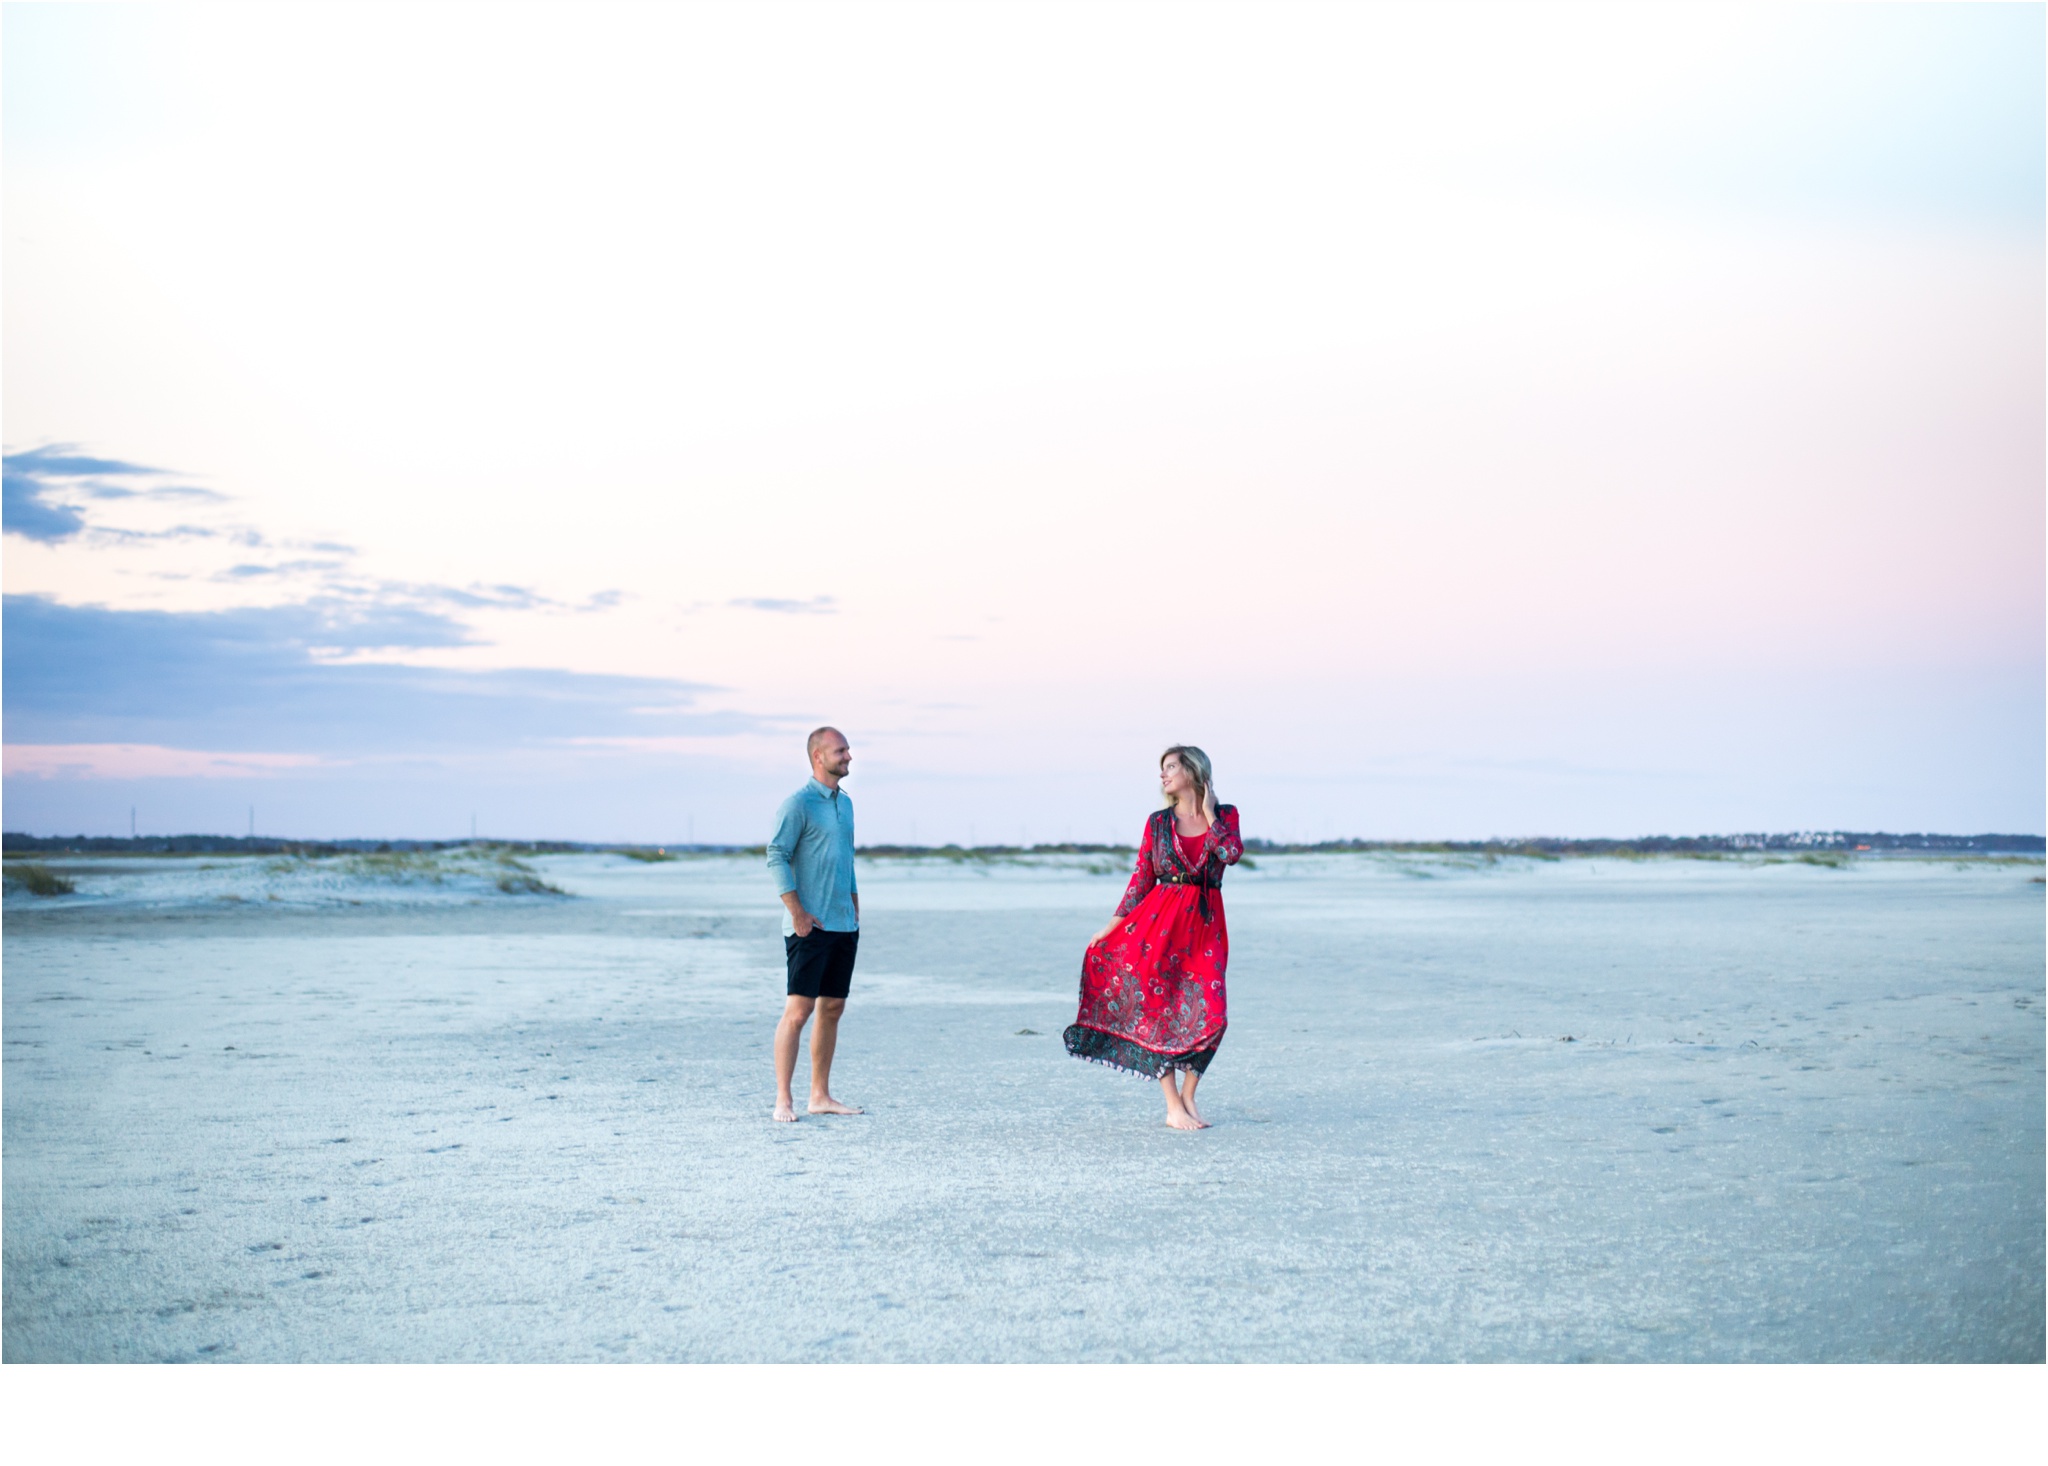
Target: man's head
x=830, y=757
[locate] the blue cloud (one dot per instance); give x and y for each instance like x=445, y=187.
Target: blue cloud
x=60, y=461
x=184, y=492
x=483, y=597
x=34, y=481
x=26, y=510
x=177, y=532
x=287, y=567
x=815, y=606
x=250, y=680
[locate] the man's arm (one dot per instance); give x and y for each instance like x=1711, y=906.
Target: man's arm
x=789, y=828
x=803, y=919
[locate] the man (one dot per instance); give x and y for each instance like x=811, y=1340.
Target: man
x=811, y=856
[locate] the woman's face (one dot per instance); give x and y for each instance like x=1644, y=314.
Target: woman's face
x=1174, y=780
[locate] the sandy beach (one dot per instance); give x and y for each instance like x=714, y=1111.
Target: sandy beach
x=1466, y=1110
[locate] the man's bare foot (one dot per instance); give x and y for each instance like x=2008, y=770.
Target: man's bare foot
x=1180, y=1119
x=785, y=1112
x=831, y=1106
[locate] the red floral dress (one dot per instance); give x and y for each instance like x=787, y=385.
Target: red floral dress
x=1152, y=996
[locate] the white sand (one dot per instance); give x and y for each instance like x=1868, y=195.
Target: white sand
x=1799, y=1117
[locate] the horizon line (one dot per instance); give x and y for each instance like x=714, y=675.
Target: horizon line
x=1846, y=841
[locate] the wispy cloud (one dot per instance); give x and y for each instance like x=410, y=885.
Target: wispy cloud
x=42, y=486
x=284, y=567
x=103, y=692
x=483, y=597
x=182, y=493
x=142, y=761
x=108, y=535
x=254, y=679
x=815, y=606
x=63, y=460
x=51, y=494
x=473, y=597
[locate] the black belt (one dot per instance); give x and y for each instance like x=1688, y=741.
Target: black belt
x=1206, y=881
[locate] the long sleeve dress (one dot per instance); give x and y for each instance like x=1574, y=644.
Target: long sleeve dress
x=1152, y=994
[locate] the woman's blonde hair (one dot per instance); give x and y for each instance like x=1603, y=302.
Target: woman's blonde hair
x=1197, y=764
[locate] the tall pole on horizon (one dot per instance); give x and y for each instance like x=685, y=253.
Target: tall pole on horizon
x=131, y=822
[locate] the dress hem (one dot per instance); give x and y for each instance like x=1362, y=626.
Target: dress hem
x=1127, y=1057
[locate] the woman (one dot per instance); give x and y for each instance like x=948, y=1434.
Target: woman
x=1152, y=998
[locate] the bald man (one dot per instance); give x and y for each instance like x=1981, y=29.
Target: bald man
x=811, y=857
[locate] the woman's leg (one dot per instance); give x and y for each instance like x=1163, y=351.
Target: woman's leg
x=1176, y=1113
x=1189, y=1079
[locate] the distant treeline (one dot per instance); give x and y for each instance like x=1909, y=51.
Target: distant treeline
x=1805, y=840
x=978, y=852
x=1832, y=840
x=18, y=844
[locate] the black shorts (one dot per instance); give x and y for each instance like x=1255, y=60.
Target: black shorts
x=821, y=964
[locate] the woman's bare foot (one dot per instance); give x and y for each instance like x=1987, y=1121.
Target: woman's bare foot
x=1194, y=1114
x=826, y=1105
x=785, y=1112
x=1180, y=1119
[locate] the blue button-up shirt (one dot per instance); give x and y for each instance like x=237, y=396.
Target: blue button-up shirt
x=811, y=853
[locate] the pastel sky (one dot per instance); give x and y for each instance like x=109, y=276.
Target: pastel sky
x=1461, y=421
